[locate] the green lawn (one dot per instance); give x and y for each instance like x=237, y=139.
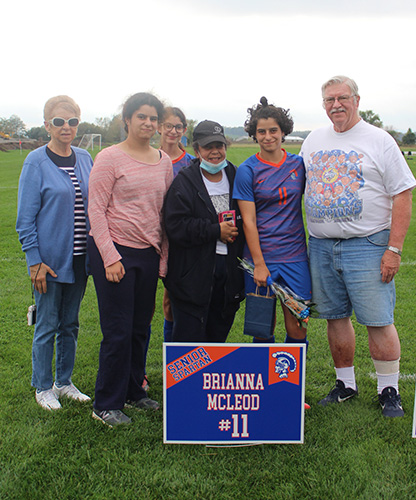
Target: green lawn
x=350, y=450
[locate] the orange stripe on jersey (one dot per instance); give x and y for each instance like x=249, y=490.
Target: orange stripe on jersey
x=179, y=158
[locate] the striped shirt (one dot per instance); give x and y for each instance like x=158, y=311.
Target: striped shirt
x=67, y=164
x=125, y=203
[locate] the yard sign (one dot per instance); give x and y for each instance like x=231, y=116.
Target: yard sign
x=414, y=419
x=233, y=393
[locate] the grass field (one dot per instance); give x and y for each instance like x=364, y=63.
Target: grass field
x=350, y=450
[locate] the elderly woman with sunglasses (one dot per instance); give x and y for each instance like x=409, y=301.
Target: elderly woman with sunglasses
x=52, y=224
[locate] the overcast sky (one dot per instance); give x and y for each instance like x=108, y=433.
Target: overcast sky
x=212, y=58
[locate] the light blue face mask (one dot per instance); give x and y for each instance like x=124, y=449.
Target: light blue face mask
x=213, y=168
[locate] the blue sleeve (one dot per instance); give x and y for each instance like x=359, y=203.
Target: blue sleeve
x=243, y=184
x=29, y=203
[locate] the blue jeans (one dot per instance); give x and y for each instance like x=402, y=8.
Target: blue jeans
x=346, y=276
x=57, y=314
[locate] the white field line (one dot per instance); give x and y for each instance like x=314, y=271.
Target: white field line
x=402, y=376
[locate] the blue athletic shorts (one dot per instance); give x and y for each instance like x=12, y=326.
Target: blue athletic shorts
x=295, y=275
x=346, y=276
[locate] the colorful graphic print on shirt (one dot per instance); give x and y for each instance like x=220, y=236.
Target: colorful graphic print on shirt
x=334, y=179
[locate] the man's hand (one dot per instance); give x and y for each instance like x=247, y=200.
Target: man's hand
x=390, y=264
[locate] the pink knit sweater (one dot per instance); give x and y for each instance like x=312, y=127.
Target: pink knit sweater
x=125, y=204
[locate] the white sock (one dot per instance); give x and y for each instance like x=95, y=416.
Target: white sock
x=384, y=381
x=387, y=374
x=347, y=375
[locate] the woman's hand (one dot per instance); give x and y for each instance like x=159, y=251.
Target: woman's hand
x=115, y=272
x=260, y=275
x=229, y=232
x=38, y=274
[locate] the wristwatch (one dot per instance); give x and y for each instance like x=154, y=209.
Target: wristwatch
x=395, y=250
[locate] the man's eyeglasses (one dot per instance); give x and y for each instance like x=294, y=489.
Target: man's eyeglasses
x=179, y=127
x=60, y=122
x=342, y=99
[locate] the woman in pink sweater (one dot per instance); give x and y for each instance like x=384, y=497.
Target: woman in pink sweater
x=128, y=252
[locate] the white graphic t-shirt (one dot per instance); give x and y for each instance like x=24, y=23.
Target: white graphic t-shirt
x=351, y=178
x=219, y=193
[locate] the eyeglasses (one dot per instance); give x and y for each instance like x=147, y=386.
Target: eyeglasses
x=329, y=101
x=60, y=122
x=169, y=126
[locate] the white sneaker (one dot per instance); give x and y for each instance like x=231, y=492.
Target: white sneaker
x=70, y=391
x=48, y=400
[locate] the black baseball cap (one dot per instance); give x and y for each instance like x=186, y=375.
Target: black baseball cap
x=207, y=131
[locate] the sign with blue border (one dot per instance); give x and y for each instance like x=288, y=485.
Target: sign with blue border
x=233, y=393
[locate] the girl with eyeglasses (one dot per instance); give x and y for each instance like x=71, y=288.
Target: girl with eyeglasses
x=171, y=132
x=52, y=226
x=128, y=252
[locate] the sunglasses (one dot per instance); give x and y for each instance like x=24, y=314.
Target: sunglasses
x=60, y=122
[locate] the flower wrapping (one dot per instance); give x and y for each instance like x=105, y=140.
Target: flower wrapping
x=301, y=309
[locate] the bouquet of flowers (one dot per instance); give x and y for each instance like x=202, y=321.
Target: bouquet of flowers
x=301, y=309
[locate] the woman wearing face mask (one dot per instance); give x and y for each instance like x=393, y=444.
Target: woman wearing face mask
x=204, y=281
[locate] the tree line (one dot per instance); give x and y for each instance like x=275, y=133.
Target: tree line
x=112, y=129
x=405, y=139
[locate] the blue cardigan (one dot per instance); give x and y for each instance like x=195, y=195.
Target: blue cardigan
x=45, y=211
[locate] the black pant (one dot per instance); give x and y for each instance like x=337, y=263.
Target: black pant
x=126, y=310
x=215, y=321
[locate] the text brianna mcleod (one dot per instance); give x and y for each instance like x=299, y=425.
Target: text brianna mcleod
x=233, y=382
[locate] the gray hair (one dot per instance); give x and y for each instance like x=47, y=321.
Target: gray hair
x=60, y=100
x=341, y=79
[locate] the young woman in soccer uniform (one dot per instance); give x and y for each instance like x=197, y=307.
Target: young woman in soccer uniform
x=269, y=188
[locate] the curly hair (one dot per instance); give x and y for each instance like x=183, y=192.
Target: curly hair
x=266, y=110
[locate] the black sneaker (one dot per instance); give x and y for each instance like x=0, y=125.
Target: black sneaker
x=111, y=417
x=338, y=394
x=143, y=404
x=391, y=403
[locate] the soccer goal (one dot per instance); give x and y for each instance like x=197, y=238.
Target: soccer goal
x=87, y=141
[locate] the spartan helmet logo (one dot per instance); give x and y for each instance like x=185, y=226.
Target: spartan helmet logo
x=217, y=129
x=285, y=363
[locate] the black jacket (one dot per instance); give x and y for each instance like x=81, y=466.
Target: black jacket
x=193, y=229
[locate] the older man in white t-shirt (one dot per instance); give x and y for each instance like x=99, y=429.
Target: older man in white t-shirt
x=358, y=203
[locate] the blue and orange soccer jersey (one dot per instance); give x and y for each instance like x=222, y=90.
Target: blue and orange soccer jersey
x=183, y=161
x=276, y=190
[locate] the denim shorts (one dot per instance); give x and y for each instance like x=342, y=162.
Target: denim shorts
x=295, y=275
x=346, y=276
